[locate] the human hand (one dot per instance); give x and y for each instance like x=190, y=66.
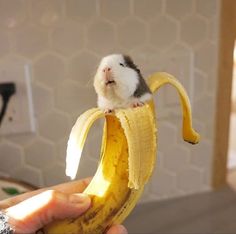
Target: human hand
x=33, y=210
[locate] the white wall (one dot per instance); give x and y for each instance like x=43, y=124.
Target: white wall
x=64, y=40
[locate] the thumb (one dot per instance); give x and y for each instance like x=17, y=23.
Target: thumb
x=35, y=212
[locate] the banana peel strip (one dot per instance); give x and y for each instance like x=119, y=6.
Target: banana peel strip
x=77, y=139
x=139, y=128
x=159, y=79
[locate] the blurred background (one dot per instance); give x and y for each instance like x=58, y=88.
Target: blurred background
x=51, y=48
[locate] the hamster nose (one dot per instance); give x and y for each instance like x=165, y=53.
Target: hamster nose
x=106, y=69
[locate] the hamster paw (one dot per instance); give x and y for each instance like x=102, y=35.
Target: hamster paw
x=137, y=104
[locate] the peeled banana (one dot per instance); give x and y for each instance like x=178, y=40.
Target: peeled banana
x=128, y=155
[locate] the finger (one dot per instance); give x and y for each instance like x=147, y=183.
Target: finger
x=35, y=212
x=117, y=229
x=69, y=187
x=74, y=186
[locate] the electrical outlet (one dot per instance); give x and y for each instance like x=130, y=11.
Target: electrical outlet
x=19, y=116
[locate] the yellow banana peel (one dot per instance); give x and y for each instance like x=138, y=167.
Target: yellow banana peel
x=128, y=156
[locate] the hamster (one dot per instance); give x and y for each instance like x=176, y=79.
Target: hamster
x=119, y=84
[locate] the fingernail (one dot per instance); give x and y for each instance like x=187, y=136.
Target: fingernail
x=79, y=198
x=122, y=229
x=118, y=229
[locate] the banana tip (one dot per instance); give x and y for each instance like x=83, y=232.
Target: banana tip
x=194, y=140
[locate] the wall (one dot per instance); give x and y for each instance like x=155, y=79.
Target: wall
x=64, y=40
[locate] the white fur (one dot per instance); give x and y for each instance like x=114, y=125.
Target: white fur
x=119, y=95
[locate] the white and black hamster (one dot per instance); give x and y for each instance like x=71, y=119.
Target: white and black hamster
x=120, y=84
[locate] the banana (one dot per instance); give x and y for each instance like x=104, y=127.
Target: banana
x=128, y=156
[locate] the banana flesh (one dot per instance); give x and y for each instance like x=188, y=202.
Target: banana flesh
x=128, y=156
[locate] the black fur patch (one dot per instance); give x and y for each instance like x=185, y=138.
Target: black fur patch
x=130, y=63
x=142, y=87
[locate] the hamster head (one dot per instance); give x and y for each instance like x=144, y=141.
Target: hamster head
x=117, y=76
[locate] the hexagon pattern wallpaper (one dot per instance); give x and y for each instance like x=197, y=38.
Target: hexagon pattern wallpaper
x=63, y=41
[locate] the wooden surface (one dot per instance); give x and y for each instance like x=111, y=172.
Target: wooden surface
x=207, y=213
x=226, y=39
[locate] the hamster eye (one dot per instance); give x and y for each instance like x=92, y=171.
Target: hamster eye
x=122, y=64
